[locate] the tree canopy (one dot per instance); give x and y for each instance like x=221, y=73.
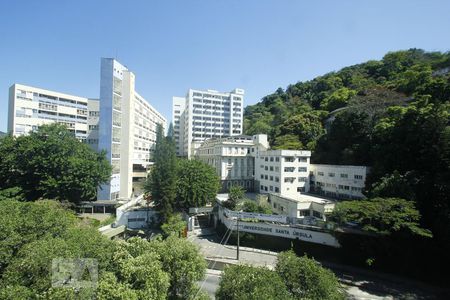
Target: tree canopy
x=242, y=282
x=52, y=163
x=381, y=215
x=161, y=182
x=197, y=184
x=32, y=234
x=306, y=279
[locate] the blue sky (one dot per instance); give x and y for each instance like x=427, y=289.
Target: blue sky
x=257, y=45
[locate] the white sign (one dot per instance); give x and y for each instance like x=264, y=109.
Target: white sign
x=260, y=217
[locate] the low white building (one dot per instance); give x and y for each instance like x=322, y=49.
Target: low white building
x=338, y=181
x=302, y=206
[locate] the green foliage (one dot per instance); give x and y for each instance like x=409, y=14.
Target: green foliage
x=174, y=225
x=14, y=193
x=52, y=163
x=183, y=262
x=306, y=279
x=247, y=282
x=287, y=142
x=197, y=183
x=34, y=233
x=381, y=215
x=162, y=180
x=252, y=206
x=235, y=194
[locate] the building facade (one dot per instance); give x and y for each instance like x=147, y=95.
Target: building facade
x=233, y=158
x=345, y=182
x=288, y=173
x=203, y=115
x=127, y=129
x=31, y=107
x=283, y=171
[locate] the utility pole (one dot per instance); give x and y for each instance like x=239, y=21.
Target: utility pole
x=237, y=225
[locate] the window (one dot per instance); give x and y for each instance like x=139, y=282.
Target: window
x=303, y=159
x=262, y=188
x=303, y=212
x=346, y=187
x=277, y=190
x=271, y=158
x=302, y=179
x=266, y=177
x=289, y=159
x=266, y=159
x=289, y=179
x=300, y=189
x=289, y=169
x=320, y=173
x=266, y=168
x=271, y=188
x=262, y=176
x=277, y=159
x=277, y=179
x=344, y=175
x=271, y=178
x=277, y=169
x=341, y=187
x=358, y=177
x=331, y=174
x=302, y=169
x=271, y=168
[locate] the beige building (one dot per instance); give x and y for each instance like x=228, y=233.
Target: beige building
x=31, y=107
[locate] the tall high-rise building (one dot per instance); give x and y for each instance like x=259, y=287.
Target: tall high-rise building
x=203, y=115
x=30, y=107
x=127, y=129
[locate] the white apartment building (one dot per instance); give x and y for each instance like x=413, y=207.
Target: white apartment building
x=203, y=115
x=93, y=120
x=283, y=171
x=233, y=158
x=127, y=129
x=346, y=182
x=178, y=110
x=31, y=107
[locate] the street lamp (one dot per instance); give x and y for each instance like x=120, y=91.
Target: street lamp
x=237, y=225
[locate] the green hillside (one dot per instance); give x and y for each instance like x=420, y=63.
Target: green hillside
x=392, y=115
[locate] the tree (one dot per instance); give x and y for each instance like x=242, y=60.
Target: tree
x=235, y=194
x=52, y=163
x=183, y=262
x=197, y=183
x=306, y=126
x=287, y=142
x=381, y=215
x=252, y=206
x=161, y=182
x=306, y=279
x=34, y=233
x=247, y=282
x=174, y=225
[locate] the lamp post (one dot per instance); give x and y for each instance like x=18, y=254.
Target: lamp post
x=237, y=225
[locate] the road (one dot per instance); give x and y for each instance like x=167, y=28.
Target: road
x=358, y=284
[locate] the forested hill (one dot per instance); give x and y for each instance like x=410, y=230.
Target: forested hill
x=294, y=118
x=392, y=115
